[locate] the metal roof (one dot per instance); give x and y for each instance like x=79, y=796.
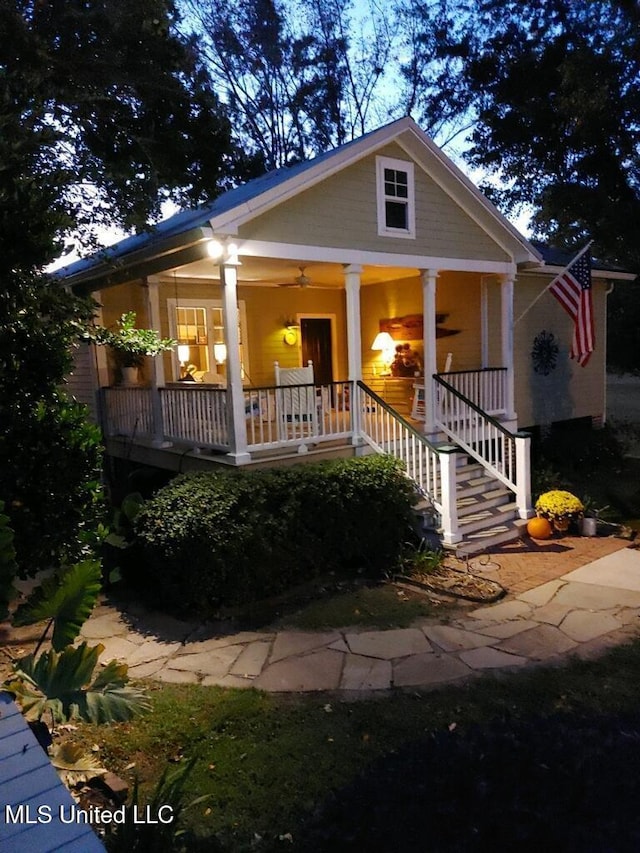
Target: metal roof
x=32, y=794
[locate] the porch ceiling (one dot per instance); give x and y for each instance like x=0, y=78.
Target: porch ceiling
x=272, y=272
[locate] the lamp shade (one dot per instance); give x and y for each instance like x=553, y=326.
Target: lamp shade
x=220, y=353
x=183, y=353
x=383, y=341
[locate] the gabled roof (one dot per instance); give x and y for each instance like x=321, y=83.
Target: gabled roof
x=182, y=238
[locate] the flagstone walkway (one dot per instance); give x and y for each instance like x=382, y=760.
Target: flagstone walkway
x=570, y=597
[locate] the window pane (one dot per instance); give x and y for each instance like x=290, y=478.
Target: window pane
x=396, y=215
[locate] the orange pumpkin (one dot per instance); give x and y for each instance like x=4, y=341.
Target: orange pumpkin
x=539, y=528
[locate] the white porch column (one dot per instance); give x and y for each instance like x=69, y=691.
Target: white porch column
x=506, y=341
x=352, y=273
x=484, y=321
x=156, y=364
x=429, y=341
x=236, y=421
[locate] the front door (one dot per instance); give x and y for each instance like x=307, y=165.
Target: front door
x=316, y=347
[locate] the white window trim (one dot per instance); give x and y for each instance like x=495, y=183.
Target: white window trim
x=407, y=166
x=173, y=303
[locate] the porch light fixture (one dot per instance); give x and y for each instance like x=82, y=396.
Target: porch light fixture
x=214, y=249
x=220, y=353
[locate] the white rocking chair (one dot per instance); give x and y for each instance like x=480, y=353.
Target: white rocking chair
x=296, y=407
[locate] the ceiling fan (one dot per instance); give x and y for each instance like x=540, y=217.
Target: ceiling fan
x=301, y=280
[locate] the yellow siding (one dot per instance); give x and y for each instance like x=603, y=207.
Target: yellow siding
x=341, y=212
x=115, y=302
x=569, y=391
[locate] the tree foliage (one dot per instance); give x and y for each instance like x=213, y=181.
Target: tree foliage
x=104, y=114
x=118, y=115
x=553, y=91
x=298, y=77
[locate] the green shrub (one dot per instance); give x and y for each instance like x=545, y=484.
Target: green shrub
x=227, y=537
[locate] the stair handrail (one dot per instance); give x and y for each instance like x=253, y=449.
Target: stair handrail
x=421, y=458
x=514, y=470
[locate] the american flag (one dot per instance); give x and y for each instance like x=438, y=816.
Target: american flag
x=572, y=289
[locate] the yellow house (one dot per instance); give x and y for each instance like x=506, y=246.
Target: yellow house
x=371, y=299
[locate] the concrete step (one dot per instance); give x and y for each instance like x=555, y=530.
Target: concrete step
x=487, y=519
x=468, y=504
x=483, y=540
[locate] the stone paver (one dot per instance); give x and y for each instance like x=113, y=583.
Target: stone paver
x=552, y=613
x=508, y=629
x=251, y=660
x=362, y=673
x=582, y=625
x=539, y=643
x=488, y=658
x=592, y=597
x=453, y=639
x=314, y=671
x=105, y=625
x=540, y=595
x=389, y=644
x=571, y=596
x=503, y=611
x=288, y=643
x=152, y=650
x=426, y=670
x=216, y=662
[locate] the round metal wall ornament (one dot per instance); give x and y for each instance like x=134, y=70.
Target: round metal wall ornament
x=544, y=353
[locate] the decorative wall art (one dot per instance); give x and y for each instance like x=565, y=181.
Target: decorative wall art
x=411, y=327
x=544, y=353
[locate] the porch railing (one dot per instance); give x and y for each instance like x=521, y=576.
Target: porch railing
x=486, y=387
x=127, y=412
x=282, y=415
x=196, y=415
x=276, y=416
x=503, y=453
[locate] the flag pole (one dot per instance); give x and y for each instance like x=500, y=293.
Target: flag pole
x=551, y=283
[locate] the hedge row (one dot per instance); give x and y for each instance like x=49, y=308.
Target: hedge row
x=212, y=538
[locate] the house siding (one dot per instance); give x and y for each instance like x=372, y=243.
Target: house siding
x=568, y=391
x=82, y=380
x=341, y=212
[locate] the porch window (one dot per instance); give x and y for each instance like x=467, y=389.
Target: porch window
x=198, y=325
x=395, y=196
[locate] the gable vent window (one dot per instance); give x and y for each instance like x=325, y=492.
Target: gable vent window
x=395, y=193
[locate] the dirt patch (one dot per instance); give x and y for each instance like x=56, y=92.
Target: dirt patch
x=454, y=583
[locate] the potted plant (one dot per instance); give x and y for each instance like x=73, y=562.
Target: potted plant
x=130, y=345
x=560, y=508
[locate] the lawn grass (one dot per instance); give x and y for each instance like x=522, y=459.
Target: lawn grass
x=382, y=606
x=266, y=761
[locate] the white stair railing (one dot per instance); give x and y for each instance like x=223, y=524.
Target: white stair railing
x=486, y=388
x=503, y=453
x=432, y=469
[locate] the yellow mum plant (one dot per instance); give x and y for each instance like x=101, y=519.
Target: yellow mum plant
x=558, y=505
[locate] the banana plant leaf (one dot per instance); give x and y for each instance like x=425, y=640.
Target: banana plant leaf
x=68, y=597
x=64, y=684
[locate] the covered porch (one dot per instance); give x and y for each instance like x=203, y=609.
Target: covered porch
x=235, y=318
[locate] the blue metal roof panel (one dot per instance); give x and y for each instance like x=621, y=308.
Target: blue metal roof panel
x=28, y=779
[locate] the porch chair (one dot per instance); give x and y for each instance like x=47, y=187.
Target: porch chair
x=296, y=406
